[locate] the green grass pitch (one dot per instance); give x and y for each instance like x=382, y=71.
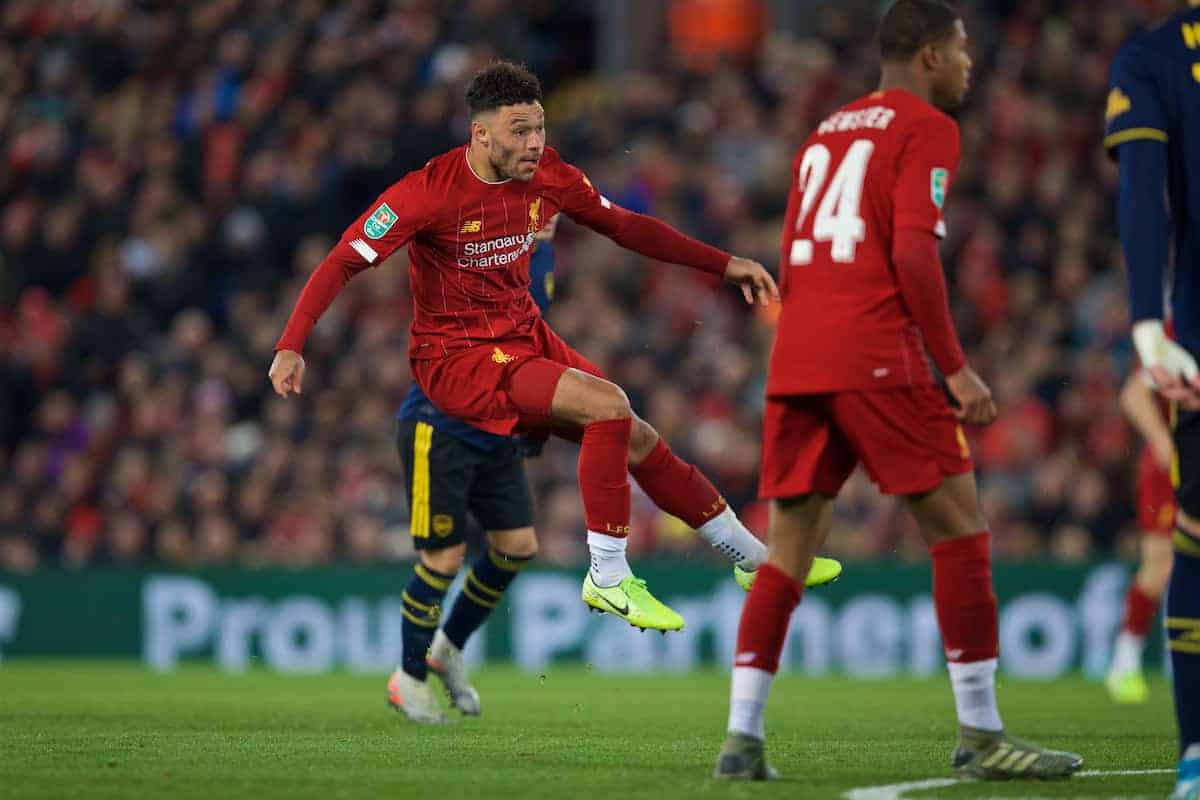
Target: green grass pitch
x=92, y=729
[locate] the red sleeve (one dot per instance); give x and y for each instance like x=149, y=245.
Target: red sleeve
x=927, y=163
x=926, y=168
x=387, y=225
x=651, y=237
x=923, y=287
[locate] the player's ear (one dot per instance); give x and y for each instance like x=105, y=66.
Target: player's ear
x=931, y=56
x=480, y=133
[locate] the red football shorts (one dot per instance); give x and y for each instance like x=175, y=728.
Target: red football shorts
x=907, y=438
x=477, y=385
x=1155, y=497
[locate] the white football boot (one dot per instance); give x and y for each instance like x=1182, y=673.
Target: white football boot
x=415, y=699
x=446, y=661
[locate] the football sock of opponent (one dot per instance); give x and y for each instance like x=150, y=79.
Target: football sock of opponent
x=1140, y=609
x=967, y=617
x=485, y=584
x=679, y=488
x=761, y=634
x=422, y=609
x=604, y=484
x=1183, y=631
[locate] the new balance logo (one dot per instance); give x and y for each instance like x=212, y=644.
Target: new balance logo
x=471, y=226
x=745, y=658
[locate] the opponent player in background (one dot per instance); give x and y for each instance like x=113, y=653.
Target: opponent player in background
x=481, y=352
x=848, y=383
x=452, y=470
x=1156, y=522
x=1153, y=129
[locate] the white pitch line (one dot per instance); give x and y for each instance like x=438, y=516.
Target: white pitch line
x=896, y=791
x=1091, y=773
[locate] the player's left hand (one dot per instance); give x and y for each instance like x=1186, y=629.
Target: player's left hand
x=756, y=282
x=975, y=403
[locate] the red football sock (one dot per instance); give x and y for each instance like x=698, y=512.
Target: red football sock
x=963, y=598
x=677, y=487
x=765, y=619
x=603, y=481
x=1140, y=609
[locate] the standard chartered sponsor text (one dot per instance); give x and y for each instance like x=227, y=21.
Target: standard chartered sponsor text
x=492, y=253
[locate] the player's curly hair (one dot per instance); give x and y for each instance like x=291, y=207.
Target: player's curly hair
x=502, y=83
x=909, y=25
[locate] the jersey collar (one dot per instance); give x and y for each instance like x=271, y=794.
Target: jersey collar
x=467, y=150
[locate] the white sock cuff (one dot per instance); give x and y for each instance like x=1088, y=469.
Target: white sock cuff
x=720, y=522
x=750, y=683
x=973, y=670
x=605, y=543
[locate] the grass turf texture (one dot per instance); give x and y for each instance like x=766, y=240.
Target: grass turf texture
x=91, y=729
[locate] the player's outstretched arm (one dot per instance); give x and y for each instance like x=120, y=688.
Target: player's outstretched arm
x=393, y=219
x=656, y=239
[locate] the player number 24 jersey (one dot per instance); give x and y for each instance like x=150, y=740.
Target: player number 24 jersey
x=878, y=164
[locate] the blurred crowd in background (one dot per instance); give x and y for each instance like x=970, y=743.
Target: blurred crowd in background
x=171, y=173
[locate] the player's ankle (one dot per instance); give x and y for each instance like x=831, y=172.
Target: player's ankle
x=607, y=555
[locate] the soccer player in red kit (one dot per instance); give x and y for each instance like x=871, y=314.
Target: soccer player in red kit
x=481, y=352
x=1156, y=508
x=848, y=383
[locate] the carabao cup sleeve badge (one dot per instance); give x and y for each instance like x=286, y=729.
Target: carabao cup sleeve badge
x=380, y=222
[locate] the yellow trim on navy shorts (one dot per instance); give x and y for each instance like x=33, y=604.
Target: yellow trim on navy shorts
x=419, y=514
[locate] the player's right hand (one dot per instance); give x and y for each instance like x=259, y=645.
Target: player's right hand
x=756, y=282
x=1171, y=368
x=975, y=404
x=286, y=373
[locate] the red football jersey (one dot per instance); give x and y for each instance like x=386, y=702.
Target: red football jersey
x=470, y=246
x=879, y=164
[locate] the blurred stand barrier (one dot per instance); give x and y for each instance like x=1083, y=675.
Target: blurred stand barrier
x=878, y=621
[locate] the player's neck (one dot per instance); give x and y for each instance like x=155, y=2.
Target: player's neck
x=900, y=76
x=481, y=165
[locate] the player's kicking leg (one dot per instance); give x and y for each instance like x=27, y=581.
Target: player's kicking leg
x=1125, y=682
x=959, y=544
x=798, y=527
x=684, y=491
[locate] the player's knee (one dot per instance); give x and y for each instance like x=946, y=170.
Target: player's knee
x=524, y=547
x=608, y=402
x=445, y=560
x=642, y=440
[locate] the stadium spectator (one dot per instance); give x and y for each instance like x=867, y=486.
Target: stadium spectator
x=162, y=166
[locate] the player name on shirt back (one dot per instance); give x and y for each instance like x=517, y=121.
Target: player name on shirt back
x=874, y=117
